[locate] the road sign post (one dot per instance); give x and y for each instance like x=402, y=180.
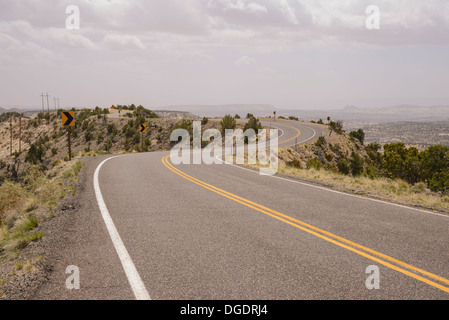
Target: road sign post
x=68, y=120
x=69, y=132
x=142, y=130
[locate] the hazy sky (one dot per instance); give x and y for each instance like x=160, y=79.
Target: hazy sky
x=289, y=53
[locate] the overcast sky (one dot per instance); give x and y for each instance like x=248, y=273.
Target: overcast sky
x=301, y=54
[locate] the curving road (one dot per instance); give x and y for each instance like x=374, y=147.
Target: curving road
x=149, y=229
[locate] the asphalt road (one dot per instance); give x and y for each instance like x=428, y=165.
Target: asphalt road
x=148, y=229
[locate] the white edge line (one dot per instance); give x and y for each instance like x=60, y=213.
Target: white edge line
x=137, y=285
x=314, y=134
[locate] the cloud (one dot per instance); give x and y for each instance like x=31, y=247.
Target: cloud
x=17, y=52
x=243, y=6
x=123, y=41
x=245, y=61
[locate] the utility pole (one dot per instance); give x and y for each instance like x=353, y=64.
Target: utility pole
x=48, y=105
x=54, y=99
x=42, y=95
x=20, y=133
x=10, y=135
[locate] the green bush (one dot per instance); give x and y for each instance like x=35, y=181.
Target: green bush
x=253, y=123
x=336, y=126
x=228, y=122
x=295, y=163
x=401, y=162
x=88, y=136
x=313, y=164
x=371, y=172
x=321, y=142
x=35, y=154
x=359, y=135
x=440, y=182
x=343, y=166
x=112, y=129
x=184, y=124
x=329, y=157
x=356, y=164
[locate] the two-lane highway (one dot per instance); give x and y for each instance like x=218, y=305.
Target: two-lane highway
x=225, y=232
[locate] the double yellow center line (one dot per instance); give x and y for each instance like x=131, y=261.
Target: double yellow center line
x=373, y=255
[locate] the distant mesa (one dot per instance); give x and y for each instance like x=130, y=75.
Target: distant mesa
x=349, y=113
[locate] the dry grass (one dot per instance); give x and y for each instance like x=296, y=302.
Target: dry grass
x=397, y=191
x=24, y=205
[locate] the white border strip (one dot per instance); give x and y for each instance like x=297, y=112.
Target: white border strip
x=137, y=285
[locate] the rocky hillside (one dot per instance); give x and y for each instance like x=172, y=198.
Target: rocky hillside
x=347, y=154
x=329, y=152
x=44, y=140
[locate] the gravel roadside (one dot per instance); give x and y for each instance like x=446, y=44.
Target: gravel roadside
x=38, y=273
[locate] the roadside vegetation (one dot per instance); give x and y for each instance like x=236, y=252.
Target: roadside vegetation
x=391, y=172
x=25, y=203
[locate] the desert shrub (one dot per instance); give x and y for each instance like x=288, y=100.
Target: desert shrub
x=401, y=162
x=314, y=164
x=253, y=123
x=336, y=126
x=356, y=163
x=440, y=182
x=359, y=135
x=295, y=163
x=84, y=125
x=88, y=136
x=329, y=157
x=371, y=172
x=343, y=166
x=321, y=142
x=183, y=124
x=112, y=129
x=228, y=122
x=35, y=154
